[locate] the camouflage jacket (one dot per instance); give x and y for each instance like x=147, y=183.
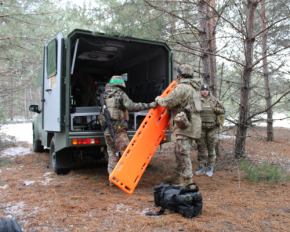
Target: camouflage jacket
x=124, y=103
x=211, y=107
x=179, y=99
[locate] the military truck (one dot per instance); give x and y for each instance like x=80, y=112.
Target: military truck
x=146, y=66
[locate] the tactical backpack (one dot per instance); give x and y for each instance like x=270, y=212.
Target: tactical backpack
x=184, y=200
x=9, y=225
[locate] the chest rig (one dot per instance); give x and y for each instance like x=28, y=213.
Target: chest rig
x=207, y=114
x=114, y=106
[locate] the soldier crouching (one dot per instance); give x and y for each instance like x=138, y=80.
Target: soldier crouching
x=184, y=105
x=211, y=108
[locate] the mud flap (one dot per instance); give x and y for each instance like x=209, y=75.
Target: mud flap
x=64, y=159
x=134, y=161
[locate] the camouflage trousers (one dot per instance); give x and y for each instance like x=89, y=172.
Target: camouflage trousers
x=208, y=140
x=182, y=155
x=122, y=141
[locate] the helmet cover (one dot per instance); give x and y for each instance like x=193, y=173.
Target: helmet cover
x=204, y=86
x=118, y=81
x=185, y=71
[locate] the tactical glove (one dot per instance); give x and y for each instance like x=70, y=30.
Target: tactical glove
x=218, y=110
x=152, y=104
x=158, y=98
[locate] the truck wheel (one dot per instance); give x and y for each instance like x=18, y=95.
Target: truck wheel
x=37, y=147
x=55, y=159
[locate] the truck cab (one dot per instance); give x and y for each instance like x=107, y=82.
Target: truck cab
x=66, y=121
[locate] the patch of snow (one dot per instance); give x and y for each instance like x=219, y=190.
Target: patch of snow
x=15, y=151
x=21, y=131
x=7, y=140
x=29, y=182
x=48, y=173
x=145, y=211
x=15, y=210
x=278, y=122
x=227, y=137
x=4, y=187
x=121, y=208
x=47, y=180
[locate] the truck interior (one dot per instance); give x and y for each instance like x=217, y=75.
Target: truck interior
x=143, y=66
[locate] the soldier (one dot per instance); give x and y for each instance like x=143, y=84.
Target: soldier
x=211, y=107
x=118, y=104
x=184, y=106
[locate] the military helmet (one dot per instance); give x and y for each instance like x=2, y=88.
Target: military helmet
x=118, y=81
x=204, y=86
x=185, y=71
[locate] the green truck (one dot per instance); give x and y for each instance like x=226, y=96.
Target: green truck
x=145, y=65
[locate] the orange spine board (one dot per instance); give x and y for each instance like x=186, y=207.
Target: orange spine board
x=142, y=147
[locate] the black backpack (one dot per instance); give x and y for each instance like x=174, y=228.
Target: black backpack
x=184, y=200
x=7, y=225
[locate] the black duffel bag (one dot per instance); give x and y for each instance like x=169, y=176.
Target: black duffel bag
x=184, y=200
x=7, y=225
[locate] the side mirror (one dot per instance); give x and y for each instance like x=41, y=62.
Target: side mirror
x=34, y=108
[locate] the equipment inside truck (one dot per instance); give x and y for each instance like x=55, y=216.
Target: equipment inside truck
x=143, y=66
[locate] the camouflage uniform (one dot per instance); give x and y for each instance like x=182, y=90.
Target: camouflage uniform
x=209, y=135
x=122, y=104
x=86, y=84
x=184, y=98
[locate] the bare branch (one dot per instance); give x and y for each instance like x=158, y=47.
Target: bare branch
x=220, y=16
x=263, y=111
x=272, y=54
x=170, y=13
x=270, y=26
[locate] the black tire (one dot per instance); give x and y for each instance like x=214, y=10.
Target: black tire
x=54, y=159
x=37, y=147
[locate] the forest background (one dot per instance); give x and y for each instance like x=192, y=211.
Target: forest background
x=239, y=47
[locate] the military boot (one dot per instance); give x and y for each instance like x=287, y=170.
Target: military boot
x=186, y=181
x=200, y=170
x=209, y=171
x=175, y=178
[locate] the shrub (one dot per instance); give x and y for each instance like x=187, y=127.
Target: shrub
x=263, y=172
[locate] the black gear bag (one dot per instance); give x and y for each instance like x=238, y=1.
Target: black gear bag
x=7, y=225
x=184, y=200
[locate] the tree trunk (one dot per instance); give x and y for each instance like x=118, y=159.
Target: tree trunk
x=212, y=49
x=25, y=112
x=270, y=134
x=246, y=82
x=204, y=18
x=10, y=105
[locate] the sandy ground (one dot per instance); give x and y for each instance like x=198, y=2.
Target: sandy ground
x=82, y=200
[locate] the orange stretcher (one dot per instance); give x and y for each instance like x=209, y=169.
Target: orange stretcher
x=142, y=147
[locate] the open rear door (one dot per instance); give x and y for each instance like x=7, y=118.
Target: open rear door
x=52, y=84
